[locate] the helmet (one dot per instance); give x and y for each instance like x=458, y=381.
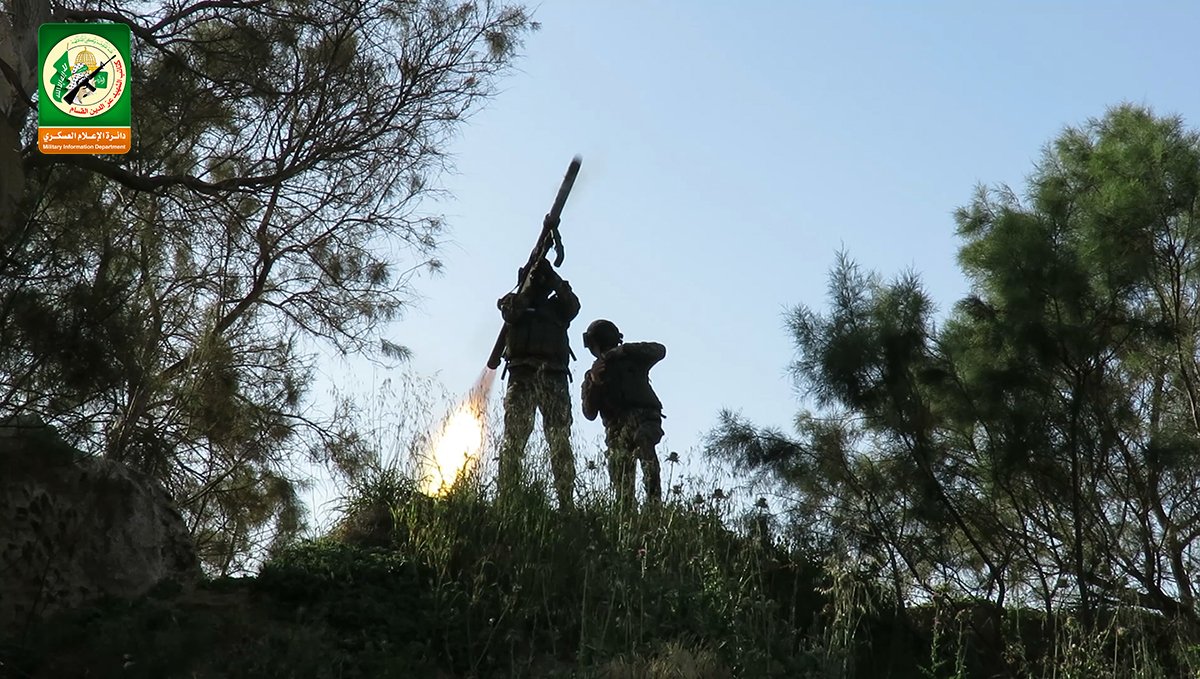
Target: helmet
x=601, y=332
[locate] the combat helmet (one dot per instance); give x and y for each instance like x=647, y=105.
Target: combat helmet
x=602, y=332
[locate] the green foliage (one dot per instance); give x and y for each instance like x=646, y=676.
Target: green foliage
x=1038, y=447
x=467, y=588
x=461, y=587
x=159, y=307
x=520, y=584
x=310, y=620
x=355, y=590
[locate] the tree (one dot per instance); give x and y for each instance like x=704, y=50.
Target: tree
x=1042, y=443
x=156, y=306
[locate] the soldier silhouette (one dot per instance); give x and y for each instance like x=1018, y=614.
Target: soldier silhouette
x=537, y=353
x=617, y=388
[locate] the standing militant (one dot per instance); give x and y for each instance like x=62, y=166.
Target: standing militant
x=536, y=347
x=617, y=387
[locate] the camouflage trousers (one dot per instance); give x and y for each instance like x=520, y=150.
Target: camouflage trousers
x=530, y=390
x=631, y=437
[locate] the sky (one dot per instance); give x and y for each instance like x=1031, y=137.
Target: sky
x=730, y=150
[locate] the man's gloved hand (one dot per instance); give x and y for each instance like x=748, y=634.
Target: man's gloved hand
x=550, y=222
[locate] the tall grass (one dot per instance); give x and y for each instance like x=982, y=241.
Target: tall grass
x=401, y=584
x=521, y=586
x=523, y=589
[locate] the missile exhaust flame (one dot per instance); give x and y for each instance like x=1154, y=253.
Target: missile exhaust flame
x=457, y=447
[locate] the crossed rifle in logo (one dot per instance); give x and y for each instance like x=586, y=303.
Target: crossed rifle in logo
x=86, y=82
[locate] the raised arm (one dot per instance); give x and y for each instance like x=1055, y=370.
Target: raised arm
x=566, y=302
x=647, y=353
x=590, y=396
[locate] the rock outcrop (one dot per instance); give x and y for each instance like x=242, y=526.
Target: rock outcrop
x=74, y=528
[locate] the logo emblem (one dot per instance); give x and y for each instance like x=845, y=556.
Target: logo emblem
x=83, y=90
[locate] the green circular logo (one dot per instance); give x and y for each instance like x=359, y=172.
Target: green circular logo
x=84, y=75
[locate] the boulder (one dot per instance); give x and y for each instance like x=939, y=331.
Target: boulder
x=75, y=528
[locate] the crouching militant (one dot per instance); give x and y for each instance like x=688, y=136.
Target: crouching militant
x=617, y=388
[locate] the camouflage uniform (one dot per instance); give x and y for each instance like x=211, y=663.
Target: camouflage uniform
x=617, y=388
x=537, y=351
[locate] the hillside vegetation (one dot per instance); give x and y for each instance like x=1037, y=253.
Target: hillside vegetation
x=411, y=586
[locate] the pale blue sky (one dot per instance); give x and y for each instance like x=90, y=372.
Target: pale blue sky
x=730, y=149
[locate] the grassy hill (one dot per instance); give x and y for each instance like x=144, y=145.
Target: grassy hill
x=412, y=586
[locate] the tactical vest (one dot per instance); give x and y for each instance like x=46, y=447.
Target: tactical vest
x=538, y=337
x=626, y=385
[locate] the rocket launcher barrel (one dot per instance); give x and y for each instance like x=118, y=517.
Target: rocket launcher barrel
x=549, y=237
